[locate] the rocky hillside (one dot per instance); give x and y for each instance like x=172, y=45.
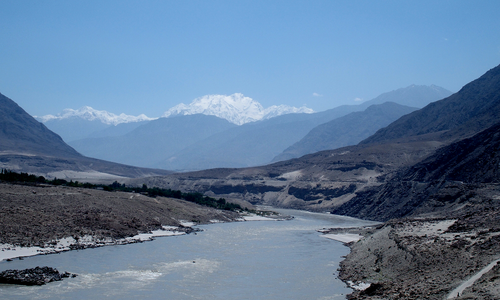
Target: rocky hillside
x=37, y=215
x=21, y=133
x=439, y=184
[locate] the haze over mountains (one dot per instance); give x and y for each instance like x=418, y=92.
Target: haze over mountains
x=346, y=130
x=253, y=143
x=424, y=153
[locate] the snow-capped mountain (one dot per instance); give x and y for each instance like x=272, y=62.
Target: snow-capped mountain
x=90, y=114
x=235, y=108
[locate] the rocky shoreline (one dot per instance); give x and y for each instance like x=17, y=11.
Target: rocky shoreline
x=424, y=258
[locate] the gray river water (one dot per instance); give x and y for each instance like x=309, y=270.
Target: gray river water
x=241, y=260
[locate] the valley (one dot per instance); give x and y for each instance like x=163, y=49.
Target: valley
x=429, y=175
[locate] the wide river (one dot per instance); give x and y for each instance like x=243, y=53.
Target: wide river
x=240, y=260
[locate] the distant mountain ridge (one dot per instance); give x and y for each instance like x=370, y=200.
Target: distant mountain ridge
x=412, y=96
x=153, y=141
x=235, y=108
x=426, y=163
x=347, y=130
x=90, y=114
x=474, y=108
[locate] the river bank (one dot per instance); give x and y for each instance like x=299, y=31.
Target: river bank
x=58, y=217
x=38, y=220
x=425, y=258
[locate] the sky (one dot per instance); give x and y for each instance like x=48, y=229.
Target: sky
x=137, y=57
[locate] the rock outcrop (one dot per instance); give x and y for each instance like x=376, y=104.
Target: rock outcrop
x=34, y=276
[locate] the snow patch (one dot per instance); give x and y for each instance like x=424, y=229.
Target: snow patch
x=257, y=218
x=235, y=108
x=187, y=223
x=343, y=237
x=361, y=286
x=292, y=175
x=90, y=114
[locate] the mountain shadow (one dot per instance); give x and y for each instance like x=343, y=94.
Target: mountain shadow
x=153, y=141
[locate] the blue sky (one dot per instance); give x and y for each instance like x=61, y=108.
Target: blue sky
x=146, y=56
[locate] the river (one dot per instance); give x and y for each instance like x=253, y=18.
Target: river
x=240, y=260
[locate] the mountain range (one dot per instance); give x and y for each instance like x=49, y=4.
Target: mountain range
x=86, y=122
x=250, y=144
x=347, y=130
x=151, y=142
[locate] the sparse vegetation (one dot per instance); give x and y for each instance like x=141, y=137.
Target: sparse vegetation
x=198, y=198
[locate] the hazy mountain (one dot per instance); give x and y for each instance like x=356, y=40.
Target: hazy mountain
x=255, y=143
x=22, y=134
x=85, y=122
x=347, y=130
x=90, y=114
x=474, y=108
x=242, y=146
x=412, y=96
x=27, y=145
x=116, y=130
x=75, y=128
x=154, y=141
x=235, y=108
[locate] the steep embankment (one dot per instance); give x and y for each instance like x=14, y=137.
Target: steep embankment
x=449, y=201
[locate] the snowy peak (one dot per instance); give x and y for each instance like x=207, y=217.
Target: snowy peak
x=235, y=108
x=90, y=114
